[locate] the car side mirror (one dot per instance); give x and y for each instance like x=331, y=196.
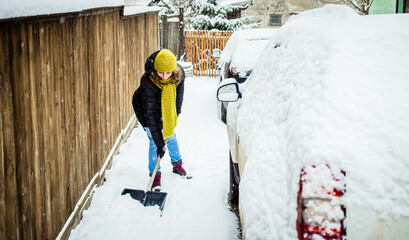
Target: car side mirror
x=228, y=91
x=216, y=53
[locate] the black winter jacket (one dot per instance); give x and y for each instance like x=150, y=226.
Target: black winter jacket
x=146, y=100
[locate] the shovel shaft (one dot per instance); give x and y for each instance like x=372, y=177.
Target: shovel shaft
x=155, y=170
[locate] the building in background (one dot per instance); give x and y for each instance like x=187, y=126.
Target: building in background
x=274, y=13
x=389, y=6
x=271, y=13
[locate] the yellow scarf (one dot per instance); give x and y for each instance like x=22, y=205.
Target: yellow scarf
x=168, y=99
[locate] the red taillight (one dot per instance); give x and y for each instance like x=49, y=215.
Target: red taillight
x=320, y=211
x=314, y=233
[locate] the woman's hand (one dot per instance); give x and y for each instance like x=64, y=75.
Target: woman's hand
x=161, y=151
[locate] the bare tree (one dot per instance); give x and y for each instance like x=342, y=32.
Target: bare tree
x=360, y=6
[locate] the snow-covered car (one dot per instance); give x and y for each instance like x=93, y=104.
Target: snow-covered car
x=240, y=55
x=319, y=133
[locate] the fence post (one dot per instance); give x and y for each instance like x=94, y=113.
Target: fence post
x=164, y=20
x=181, y=32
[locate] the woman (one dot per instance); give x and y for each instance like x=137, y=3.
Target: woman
x=157, y=104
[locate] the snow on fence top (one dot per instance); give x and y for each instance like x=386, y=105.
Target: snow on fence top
x=27, y=8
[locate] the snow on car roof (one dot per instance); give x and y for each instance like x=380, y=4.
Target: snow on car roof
x=335, y=91
x=245, y=46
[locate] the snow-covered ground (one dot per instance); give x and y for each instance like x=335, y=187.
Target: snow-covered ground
x=195, y=208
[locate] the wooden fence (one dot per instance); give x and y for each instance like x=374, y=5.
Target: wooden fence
x=199, y=46
x=66, y=83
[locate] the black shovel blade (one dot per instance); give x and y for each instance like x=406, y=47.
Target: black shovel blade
x=135, y=194
x=149, y=198
x=155, y=198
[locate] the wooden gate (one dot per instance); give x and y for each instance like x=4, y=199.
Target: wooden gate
x=199, y=46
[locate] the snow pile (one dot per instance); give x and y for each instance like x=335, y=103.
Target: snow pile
x=331, y=87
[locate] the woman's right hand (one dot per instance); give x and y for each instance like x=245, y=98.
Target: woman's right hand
x=161, y=151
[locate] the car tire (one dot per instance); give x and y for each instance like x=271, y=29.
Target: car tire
x=234, y=185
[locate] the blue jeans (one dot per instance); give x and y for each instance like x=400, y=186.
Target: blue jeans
x=172, y=146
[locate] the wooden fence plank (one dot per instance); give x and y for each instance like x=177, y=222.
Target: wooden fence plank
x=54, y=86
x=37, y=128
x=122, y=65
x=102, y=84
x=94, y=94
x=9, y=212
x=60, y=121
x=70, y=110
x=44, y=33
x=86, y=139
x=69, y=115
x=82, y=104
x=23, y=119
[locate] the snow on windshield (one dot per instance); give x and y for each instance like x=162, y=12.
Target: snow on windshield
x=244, y=48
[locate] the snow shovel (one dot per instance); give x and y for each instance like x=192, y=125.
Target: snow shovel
x=149, y=198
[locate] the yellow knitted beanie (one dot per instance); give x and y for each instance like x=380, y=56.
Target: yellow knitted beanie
x=165, y=61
